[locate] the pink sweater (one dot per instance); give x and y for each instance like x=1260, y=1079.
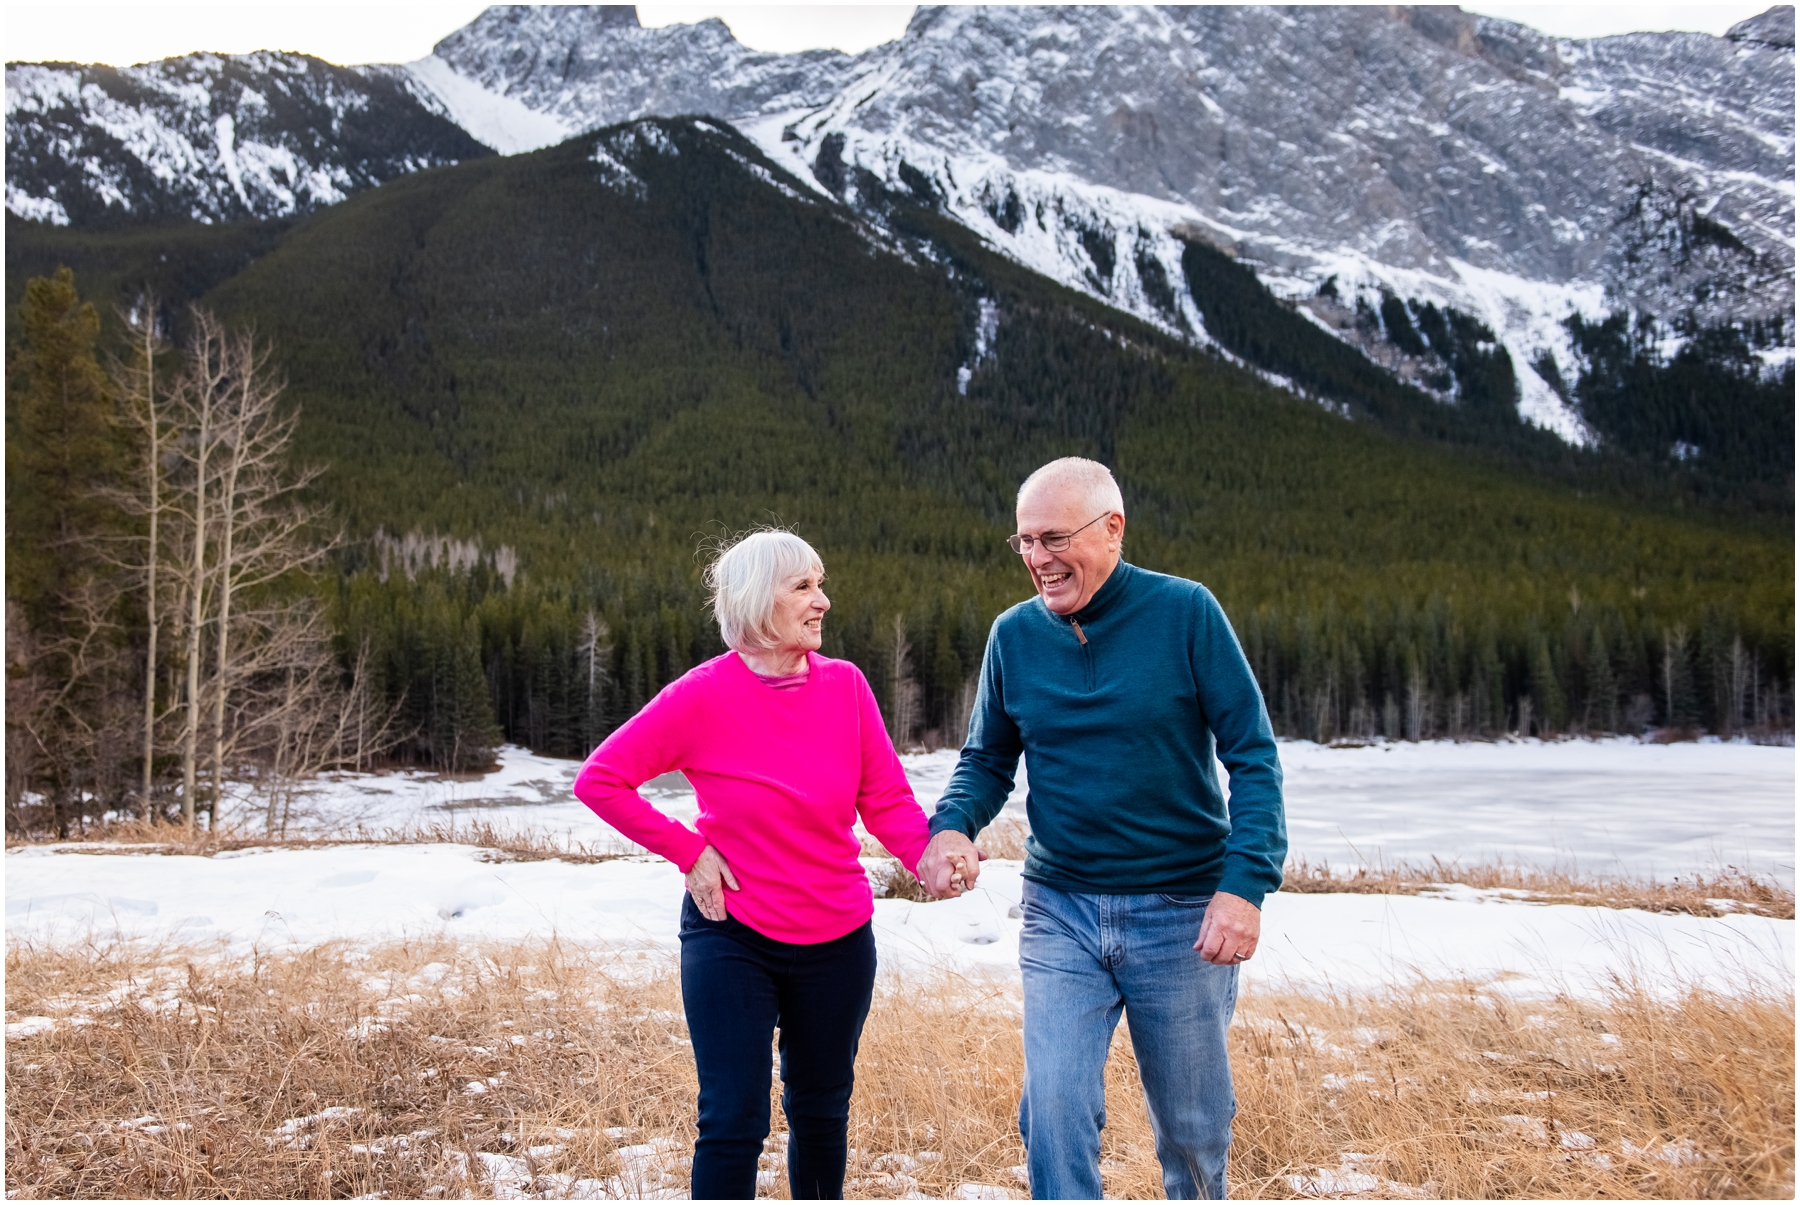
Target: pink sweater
x=781, y=776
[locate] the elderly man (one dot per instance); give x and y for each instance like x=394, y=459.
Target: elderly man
x=1143, y=886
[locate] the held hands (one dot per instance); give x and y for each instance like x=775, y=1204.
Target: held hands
x=706, y=882
x=1230, y=930
x=950, y=866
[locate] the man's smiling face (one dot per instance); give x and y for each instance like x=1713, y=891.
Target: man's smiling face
x=1067, y=580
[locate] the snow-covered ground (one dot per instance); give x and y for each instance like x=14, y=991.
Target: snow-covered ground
x=1600, y=806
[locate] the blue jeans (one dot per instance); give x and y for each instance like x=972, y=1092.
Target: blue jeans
x=1085, y=958
x=737, y=987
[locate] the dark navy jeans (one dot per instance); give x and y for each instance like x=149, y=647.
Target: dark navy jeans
x=738, y=987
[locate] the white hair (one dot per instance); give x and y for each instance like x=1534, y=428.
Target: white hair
x=1087, y=479
x=743, y=579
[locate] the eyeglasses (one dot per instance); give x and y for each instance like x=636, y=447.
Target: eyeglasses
x=1052, y=543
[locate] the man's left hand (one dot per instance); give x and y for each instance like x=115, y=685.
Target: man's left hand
x=1230, y=930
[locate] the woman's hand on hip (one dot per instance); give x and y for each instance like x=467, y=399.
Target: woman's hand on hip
x=707, y=880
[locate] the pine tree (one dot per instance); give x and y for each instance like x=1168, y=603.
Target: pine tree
x=464, y=732
x=1549, y=704
x=1602, y=710
x=61, y=448
x=67, y=708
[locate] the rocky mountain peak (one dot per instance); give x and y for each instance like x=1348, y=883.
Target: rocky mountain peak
x=592, y=65
x=1772, y=28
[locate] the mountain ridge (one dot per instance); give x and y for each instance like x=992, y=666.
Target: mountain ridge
x=986, y=110
x=212, y=138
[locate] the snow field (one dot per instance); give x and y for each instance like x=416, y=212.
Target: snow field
x=499, y=121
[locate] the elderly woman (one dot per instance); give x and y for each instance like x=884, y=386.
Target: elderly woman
x=785, y=749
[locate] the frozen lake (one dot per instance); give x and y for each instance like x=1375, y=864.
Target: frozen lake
x=1607, y=807
x=1612, y=807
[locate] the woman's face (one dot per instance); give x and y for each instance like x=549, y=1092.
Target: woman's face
x=800, y=606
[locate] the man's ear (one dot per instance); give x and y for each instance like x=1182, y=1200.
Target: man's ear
x=1115, y=526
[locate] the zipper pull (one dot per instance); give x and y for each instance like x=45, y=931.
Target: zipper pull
x=1079, y=634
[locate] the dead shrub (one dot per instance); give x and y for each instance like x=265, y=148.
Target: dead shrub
x=893, y=881
x=1004, y=838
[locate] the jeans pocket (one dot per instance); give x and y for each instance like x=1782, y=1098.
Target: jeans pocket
x=1185, y=901
x=694, y=921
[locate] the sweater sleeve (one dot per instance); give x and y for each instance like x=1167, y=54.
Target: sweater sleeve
x=885, y=798
x=648, y=744
x=983, y=777
x=1233, y=705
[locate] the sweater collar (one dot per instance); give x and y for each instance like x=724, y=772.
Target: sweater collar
x=1117, y=584
x=807, y=673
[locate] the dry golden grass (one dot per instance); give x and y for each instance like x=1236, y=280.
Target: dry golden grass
x=419, y=1070
x=502, y=843
x=1697, y=895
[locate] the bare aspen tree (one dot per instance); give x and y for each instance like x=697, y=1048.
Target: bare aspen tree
x=240, y=528
x=905, y=697
x=1674, y=673
x=593, y=648
x=962, y=711
x=261, y=532
x=197, y=400
x=1738, y=685
x=63, y=718
x=234, y=440
x=359, y=699
x=306, y=718
x=137, y=390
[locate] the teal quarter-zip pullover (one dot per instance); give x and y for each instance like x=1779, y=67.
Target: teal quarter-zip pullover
x=1118, y=709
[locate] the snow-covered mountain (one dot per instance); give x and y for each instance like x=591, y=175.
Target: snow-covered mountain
x=1426, y=152
x=1423, y=152
x=213, y=137
x=591, y=65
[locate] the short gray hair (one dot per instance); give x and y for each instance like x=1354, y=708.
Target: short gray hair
x=1089, y=478
x=743, y=580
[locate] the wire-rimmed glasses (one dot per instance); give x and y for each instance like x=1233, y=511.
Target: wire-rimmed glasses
x=1052, y=541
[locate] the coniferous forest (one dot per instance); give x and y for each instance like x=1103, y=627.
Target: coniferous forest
x=535, y=389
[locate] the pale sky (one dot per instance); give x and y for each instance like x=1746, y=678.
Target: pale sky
x=377, y=32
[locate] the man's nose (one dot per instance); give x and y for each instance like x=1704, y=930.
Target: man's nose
x=1039, y=556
